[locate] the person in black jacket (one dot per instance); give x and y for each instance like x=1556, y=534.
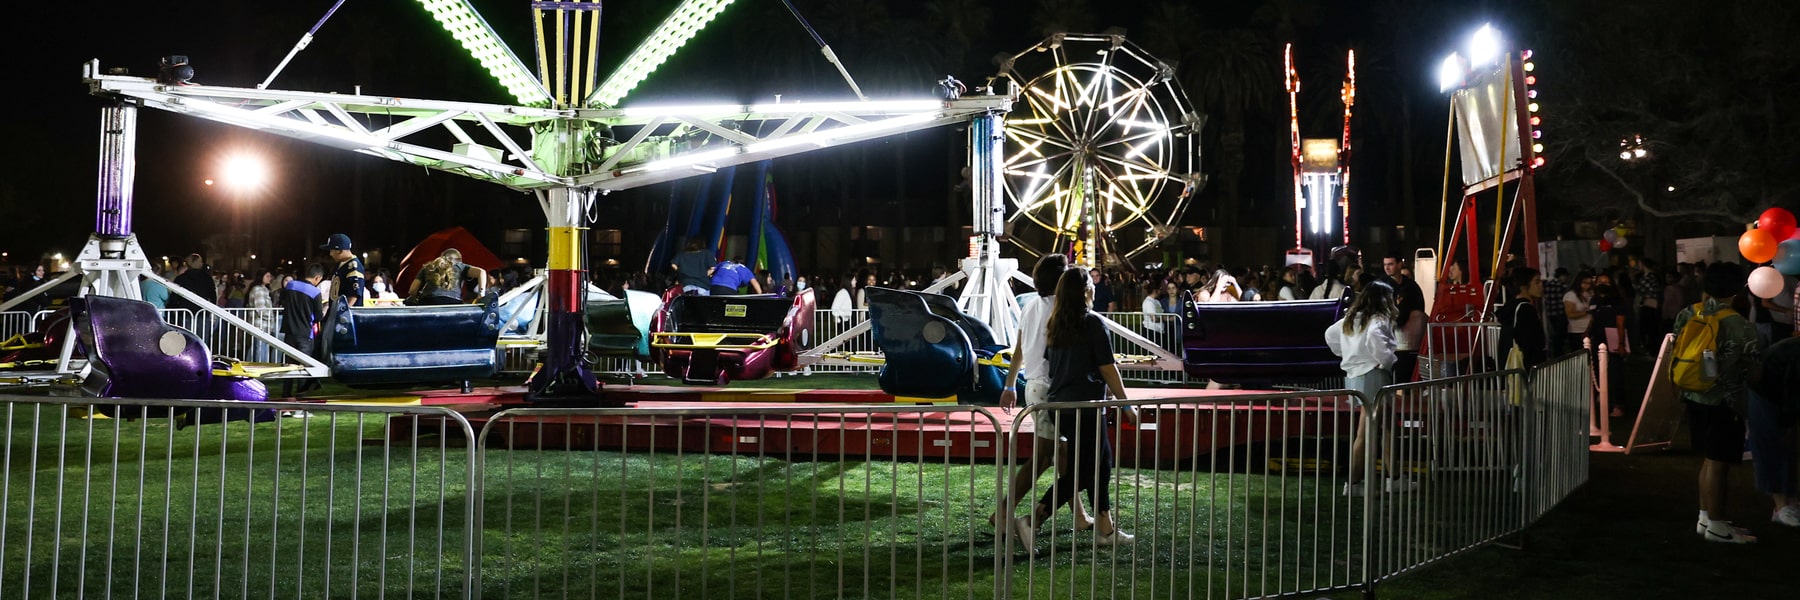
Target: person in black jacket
x=1520, y=322
x=301, y=310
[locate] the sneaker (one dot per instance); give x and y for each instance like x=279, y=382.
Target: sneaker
x=1027, y=535
x=1724, y=533
x=1788, y=515
x=1118, y=537
x=1353, y=490
x=1401, y=486
x=1700, y=527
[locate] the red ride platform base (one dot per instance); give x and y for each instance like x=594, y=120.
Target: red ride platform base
x=706, y=420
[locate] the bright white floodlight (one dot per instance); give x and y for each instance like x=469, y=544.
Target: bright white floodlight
x=1450, y=74
x=1484, y=48
x=245, y=173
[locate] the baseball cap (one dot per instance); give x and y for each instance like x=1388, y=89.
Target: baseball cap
x=338, y=241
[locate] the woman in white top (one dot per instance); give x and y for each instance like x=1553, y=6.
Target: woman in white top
x=1576, y=306
x=1364, y=339
x=842, y=306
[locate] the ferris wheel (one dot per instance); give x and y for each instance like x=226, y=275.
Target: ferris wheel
x=1101, y=154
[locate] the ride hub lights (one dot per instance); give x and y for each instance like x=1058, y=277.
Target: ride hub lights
x=464, y=24
x=681, y=26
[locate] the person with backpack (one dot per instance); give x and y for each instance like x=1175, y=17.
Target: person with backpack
x=1716, y=353
x=1520, y=324
x=1774, y=409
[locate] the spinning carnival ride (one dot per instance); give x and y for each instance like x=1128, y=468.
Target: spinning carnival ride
x=1102, y=138
x=564, y=142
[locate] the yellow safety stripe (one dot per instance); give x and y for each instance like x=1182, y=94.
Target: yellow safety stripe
x=711, y=341
x=565, y=248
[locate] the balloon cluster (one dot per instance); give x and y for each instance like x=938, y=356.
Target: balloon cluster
x=1613, y=238
x=1776, y=241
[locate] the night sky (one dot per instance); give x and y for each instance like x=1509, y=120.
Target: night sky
x=392, y=47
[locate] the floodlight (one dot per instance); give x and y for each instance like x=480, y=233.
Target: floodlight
x=476, y=36
x=245, y=173
x=1484, y=47
x=681, y=26
x=1450, y=74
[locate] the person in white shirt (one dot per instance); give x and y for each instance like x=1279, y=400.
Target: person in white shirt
x=842, y=306
x=1576, y=304
x=1029, y=355
x=1364, y=339
x=1156, y=322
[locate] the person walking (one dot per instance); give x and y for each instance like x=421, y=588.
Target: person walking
x=1364, y=341
x=1082, y=369
x=1048, y=448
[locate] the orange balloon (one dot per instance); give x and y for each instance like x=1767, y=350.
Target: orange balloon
x=1757, y=246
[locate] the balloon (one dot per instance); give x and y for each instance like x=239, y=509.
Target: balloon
x=1757, y=245
x=1621, y=242
x=1778, y=221
x=1606, y=245
x=1787, y=257
x=1765, y=282
x=1611, y=236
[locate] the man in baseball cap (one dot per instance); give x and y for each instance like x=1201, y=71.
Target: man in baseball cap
x=347, y=280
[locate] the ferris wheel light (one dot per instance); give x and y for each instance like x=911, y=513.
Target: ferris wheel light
x=675, y=31
x=469, y=29
x=1484, y=47
x=1537, y=147
x=1143, y=124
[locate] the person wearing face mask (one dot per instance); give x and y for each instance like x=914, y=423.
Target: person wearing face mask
x=381, y=292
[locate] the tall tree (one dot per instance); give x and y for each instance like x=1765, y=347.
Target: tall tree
x=1702, y=85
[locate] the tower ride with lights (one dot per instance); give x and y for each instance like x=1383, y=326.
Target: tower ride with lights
x=1493, y=103
x=1321, y=170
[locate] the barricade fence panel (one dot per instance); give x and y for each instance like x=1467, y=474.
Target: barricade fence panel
x=1453, y=349
x=828, y=324
x=816, y=502
x=16, y=322
x=1236, y=497
x=1557, y=428
x=157, y=498
x=1163, y=329
x=229, y=341
x=1468, y=460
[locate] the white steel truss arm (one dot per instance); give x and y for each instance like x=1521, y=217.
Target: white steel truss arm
x=630, y=147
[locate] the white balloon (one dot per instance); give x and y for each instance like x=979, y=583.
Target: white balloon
x=1620, y=243
x=1765, y=282
x=1611, y=237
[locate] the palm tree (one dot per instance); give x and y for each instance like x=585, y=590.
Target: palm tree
x=1061, y=16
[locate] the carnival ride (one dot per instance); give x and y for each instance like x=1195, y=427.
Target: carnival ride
x=1321, y=169
x=703, y=208
x=1493, y=104
x=1104, y=136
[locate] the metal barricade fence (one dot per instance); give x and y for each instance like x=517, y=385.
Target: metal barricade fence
x=1467, y=460
x=1162, y=329
x=120, y=498
x=1453, y=349
x=226, y=340
x=1227, y=497
x=1557, y=427
x=16, y=322
x=804, y=501
x=828, y=324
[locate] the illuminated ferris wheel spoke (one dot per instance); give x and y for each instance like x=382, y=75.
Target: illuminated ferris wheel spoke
x=1099, y=144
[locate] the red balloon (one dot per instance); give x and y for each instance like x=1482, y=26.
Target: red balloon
x=1757, y=246
x=1778, y=221
x=1605, y=246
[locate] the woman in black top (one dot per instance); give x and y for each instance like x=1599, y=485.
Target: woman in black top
x=1520, y=323
x=1081, y=370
